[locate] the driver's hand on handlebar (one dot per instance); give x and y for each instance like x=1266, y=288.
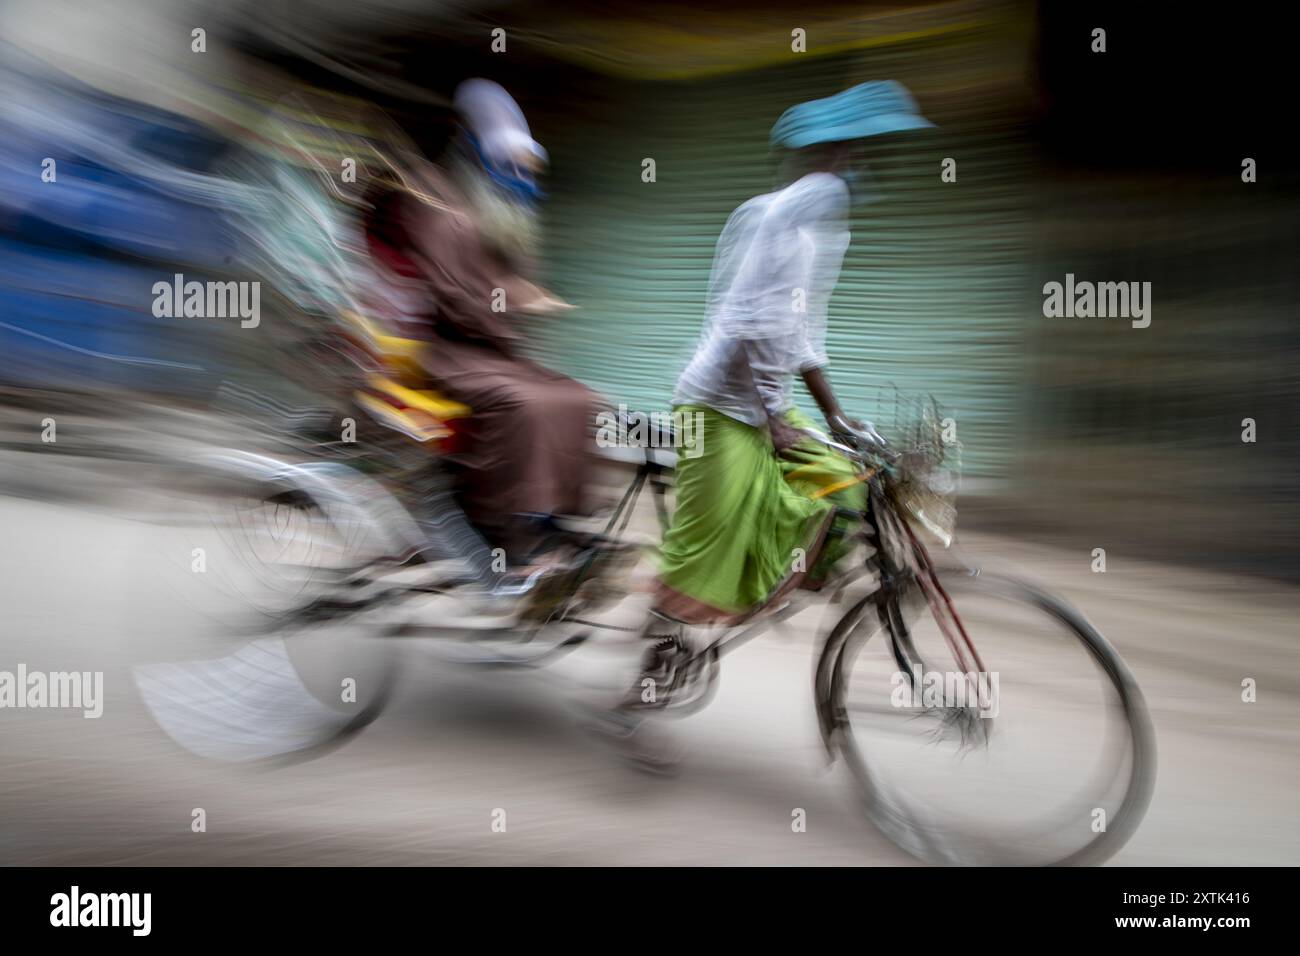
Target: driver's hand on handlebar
x=851, y=428
x=841, y=425
x=784, y=437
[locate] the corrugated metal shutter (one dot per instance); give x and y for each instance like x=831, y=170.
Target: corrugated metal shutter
x=933, y=291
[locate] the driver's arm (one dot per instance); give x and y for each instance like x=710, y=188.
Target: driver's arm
x=819, y=387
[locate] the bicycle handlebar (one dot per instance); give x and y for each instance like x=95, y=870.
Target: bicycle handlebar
x=830, y=442
x=865, y=441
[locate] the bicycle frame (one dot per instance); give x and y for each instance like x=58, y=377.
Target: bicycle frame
x=648, y=471
x=894, y=581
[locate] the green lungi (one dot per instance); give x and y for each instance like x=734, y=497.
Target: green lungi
x=740, y=515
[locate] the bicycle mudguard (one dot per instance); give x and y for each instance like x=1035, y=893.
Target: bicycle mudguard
x=350, y=498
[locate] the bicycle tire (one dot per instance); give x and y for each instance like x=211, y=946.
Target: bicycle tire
x=877, y=613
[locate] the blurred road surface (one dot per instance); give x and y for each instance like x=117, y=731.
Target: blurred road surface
x=90, y=587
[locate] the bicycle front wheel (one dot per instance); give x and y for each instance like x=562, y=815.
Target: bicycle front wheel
x=1044, y=755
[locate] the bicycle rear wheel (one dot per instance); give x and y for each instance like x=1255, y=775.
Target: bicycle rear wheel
x=1046, y=757
x=266, y=679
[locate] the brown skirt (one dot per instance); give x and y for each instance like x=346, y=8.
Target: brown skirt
x=527, y=438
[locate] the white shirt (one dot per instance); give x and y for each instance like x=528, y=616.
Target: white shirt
x=776, y=263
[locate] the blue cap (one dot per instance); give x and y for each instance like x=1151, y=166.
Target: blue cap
x=868, y=109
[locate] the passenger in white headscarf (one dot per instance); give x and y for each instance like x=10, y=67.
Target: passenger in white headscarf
x=468, y=236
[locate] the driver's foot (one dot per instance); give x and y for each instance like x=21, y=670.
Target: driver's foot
x=661, y=663
x=642, y=744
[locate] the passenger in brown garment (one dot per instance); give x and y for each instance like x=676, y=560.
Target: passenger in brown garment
x=467, y=235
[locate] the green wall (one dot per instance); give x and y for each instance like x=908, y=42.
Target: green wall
x=932, y=297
